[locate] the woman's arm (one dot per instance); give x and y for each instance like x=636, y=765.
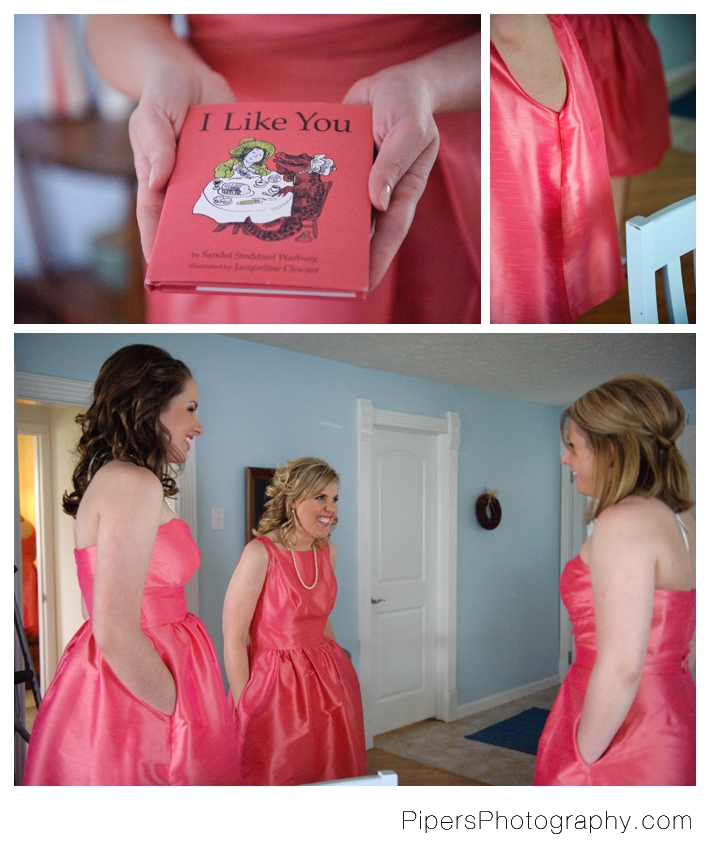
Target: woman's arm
x=239, y=604
x=404, y=99
x=141, y=56
x=622, y=567
x=527, y=46
x=129, y=502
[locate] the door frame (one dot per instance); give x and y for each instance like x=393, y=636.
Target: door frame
x=51, y=389
x=448, y=433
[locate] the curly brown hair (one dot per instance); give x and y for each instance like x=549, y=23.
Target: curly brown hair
x=133, y=388
x=301, y=479
x=633, y=421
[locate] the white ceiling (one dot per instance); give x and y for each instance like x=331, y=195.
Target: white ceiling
x=552, y=368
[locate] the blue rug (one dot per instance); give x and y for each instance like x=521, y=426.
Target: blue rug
x=520, y=732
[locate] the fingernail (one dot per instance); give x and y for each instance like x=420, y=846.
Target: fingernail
x=385, y=196
x=151, y=179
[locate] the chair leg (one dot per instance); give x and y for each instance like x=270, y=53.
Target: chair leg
x=673, y=289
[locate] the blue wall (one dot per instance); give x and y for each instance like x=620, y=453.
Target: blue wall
x=261, y=406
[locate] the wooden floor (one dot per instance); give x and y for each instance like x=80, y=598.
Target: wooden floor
x=672, y=181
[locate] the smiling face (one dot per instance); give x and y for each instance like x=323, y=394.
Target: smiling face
x=313, y=516
x=179, y=418
x=579, y=456
x=254, y=156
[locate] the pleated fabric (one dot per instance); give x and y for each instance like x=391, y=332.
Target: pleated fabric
x=436, y=274
x=554, y=245
x=299, y=719
x=655, y=744
x=625, y=65
x=91, y=730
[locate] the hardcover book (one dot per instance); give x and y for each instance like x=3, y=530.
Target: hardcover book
x=268, y=199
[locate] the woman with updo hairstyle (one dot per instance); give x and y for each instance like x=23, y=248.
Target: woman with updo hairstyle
x=137, y=698
x=295, y=693
x=625, y=713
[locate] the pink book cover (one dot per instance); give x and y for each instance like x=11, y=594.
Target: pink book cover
x=268, y=199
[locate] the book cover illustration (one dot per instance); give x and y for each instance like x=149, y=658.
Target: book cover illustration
x=286, y=211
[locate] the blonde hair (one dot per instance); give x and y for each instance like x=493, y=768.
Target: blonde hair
x=631, y=424
x=301, y=479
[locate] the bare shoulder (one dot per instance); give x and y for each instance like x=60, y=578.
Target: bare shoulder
x=633, y=514
x=333, y=553
x=254, y=556
x=129, y=477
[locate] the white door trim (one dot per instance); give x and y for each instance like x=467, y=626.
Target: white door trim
x=40, y=388
x=447, y=430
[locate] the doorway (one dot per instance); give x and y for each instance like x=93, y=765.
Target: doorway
x=407, y=558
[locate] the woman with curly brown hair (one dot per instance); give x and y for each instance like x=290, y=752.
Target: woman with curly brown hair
x=296, y=693
x=625, y=714
x=137, y=698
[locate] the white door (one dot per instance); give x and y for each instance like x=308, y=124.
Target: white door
x=403, y=564
x=408, y=568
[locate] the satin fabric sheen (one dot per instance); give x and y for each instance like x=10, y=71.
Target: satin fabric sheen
x=91, y=730
x=299, y=718
x=554, y=245
x=655, y=745
x=627, y=72
x=436, y=274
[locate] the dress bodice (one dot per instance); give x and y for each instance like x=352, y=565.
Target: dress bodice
x=258, y=53
x=672, y=622
x=173, y=561
x=288, y=615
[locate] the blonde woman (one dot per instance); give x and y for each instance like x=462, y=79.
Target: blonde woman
x=296, y=694
x=625, y=714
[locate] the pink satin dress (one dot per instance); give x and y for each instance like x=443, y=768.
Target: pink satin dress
x=627, y=72
x=655, y=745
x=435, y=276
x=91, y=730
x=299, y=718
x=554, y=245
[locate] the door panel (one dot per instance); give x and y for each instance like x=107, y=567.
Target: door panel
x=403, y=524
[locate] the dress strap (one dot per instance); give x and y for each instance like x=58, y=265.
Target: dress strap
x=683, y=530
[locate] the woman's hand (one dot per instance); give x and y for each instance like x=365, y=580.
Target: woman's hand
x=142, y=57
x=154, y=128
x=404, y=99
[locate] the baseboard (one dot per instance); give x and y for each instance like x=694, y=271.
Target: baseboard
x=504, y=697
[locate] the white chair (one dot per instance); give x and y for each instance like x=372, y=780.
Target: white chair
x=657, y=242
x=384, y=778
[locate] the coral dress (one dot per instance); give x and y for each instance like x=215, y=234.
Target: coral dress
x=30, y=598
x=300, y=716
x=655, y=745
x=627, y=72
x=436, y=274
x=554, y=245
x=90, y=730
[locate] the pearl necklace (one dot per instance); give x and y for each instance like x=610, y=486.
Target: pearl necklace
x=298, y=573
x=169, y=506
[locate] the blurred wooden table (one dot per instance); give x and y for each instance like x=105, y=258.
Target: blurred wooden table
x=94, y=146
